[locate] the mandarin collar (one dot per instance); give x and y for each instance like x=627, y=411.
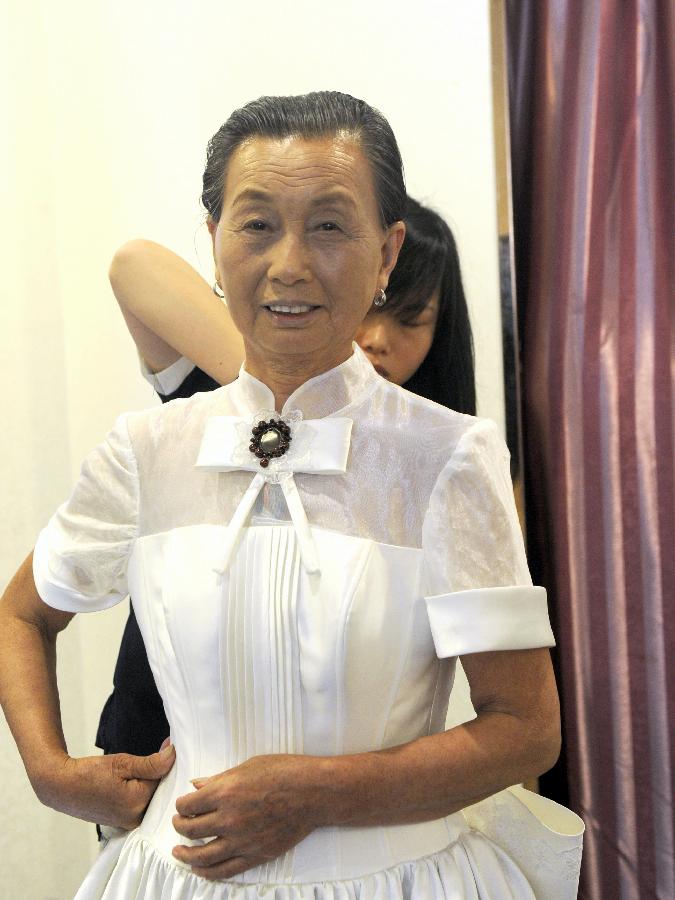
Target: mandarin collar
x=324, y=395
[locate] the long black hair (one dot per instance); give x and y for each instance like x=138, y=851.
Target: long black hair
x=429, y=262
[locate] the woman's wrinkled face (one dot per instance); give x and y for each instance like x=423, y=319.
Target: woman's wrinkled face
x=397, y=349
x=299, y=249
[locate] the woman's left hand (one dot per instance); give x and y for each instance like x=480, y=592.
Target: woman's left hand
x=252, y=813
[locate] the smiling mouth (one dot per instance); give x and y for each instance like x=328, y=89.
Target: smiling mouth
x=295, y=309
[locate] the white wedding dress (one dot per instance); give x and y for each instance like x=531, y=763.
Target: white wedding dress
x=316, y=606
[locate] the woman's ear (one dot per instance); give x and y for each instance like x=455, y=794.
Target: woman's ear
x=391, y=247
x=212, y=226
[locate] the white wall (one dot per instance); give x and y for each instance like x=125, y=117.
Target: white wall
x=106, y=109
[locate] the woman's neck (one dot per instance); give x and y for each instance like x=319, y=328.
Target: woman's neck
x=285, y=373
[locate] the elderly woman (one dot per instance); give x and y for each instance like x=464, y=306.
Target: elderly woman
x=309, y=550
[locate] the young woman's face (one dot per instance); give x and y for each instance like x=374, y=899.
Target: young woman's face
x=395, y=348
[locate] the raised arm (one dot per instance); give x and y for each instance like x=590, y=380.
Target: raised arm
x=171, y=311
x=111, y=790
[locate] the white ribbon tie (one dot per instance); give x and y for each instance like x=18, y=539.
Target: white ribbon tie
x=318, y=446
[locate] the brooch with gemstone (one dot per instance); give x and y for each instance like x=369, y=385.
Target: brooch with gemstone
x=270, y=439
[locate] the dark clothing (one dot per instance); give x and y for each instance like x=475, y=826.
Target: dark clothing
x=133, y=719
x=194, y=383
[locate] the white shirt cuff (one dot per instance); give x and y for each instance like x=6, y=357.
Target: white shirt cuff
x=498, y=618
x=170, y=379
x=56, y=593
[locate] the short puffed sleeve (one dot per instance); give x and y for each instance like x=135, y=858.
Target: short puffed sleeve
x=478, y=590
x=80, y=559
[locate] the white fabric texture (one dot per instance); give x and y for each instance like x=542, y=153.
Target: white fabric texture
x=318, y=445
x=309, y=632
x=498, y=618
x=168, y=380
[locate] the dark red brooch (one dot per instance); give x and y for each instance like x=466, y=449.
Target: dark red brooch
x=269, y=440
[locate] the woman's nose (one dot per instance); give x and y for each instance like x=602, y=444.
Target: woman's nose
x=288, y=260
x=374, y=338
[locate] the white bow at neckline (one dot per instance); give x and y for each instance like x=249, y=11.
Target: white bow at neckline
x=318, y=446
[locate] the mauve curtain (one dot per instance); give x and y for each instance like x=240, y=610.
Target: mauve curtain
x=593, y=138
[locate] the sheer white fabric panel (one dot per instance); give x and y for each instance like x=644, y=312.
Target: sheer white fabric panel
x=399, y=488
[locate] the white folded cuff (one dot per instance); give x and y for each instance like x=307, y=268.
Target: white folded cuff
x=57, y=594
x=170, y=379
x=498, y=618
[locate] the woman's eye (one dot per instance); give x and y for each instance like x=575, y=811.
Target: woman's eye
x=415, y=323
x=256, y=225
x=329, y=226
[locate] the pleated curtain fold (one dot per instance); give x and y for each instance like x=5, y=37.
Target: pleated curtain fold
x=593, y=143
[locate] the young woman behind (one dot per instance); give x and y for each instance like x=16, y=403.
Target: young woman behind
x=421, y=338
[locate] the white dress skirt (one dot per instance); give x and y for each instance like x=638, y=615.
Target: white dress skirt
x=314, y=606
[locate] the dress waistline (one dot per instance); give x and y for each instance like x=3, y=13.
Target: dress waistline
x=327, y=854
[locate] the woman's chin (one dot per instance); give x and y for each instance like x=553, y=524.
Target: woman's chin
x=314, y=348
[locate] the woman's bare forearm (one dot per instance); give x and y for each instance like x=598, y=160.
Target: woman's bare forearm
x=171, y=311
x=515, y=737
x=113, y=790
x=28, y=688
x=433, y=776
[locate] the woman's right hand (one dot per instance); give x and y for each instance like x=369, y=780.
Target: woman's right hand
x=111, y=790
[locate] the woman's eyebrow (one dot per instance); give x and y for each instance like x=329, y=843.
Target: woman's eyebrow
x=334, y=197
x=255, y=195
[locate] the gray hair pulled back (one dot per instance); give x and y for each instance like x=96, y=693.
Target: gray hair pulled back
x=315, y=115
